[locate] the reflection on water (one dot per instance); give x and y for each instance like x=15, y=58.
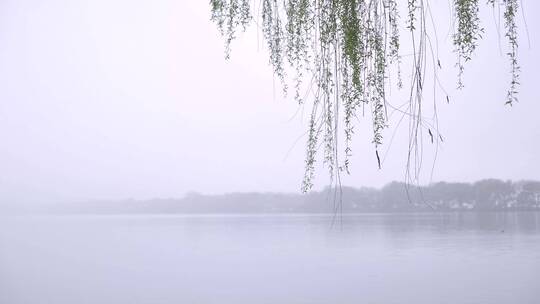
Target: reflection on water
x=370, y=258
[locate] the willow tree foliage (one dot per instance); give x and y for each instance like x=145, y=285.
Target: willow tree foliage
x=347, y=49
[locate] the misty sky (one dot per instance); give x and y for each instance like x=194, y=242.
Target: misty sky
x=133, y=99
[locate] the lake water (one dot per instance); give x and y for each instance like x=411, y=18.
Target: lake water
x=373, y=258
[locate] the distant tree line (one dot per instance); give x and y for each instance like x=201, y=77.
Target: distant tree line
x=484, y=195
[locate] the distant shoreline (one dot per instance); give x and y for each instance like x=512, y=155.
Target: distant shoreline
x=232, y=215
x=489, y=195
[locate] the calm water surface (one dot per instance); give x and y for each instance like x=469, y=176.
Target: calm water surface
x=407, y=258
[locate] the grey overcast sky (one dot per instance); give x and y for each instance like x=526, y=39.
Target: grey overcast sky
x=113, y=99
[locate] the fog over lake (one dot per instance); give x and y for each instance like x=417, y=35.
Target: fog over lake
x=139, y=166
x=373, y=258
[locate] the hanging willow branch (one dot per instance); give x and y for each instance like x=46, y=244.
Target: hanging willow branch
x=468, y=32
x=348, y=48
